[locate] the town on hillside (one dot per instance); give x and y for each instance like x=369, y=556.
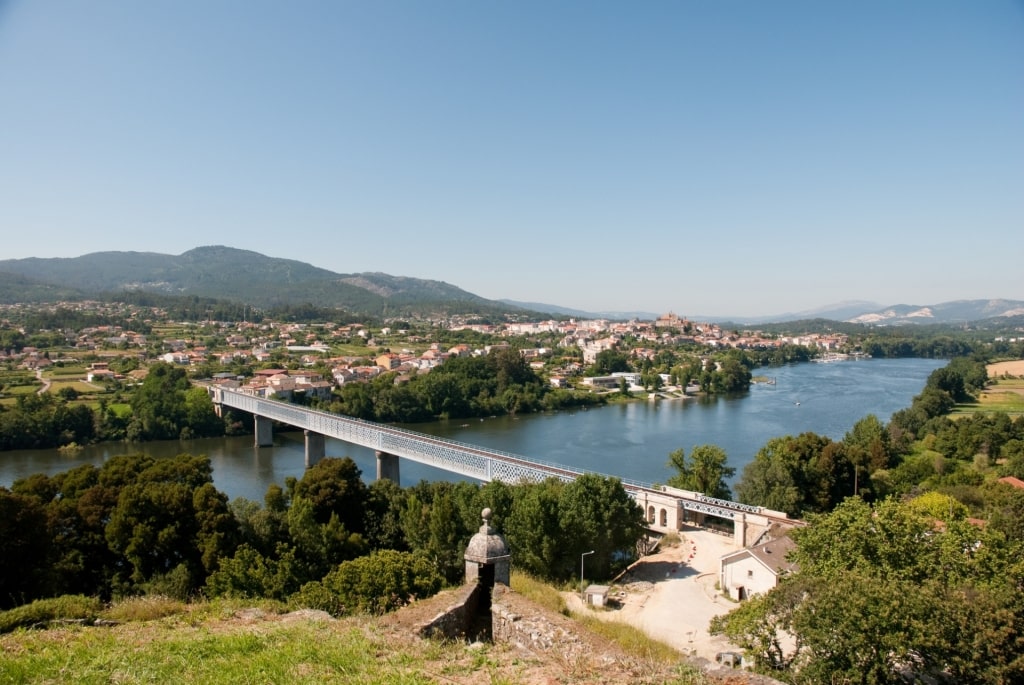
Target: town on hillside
x=311, y=359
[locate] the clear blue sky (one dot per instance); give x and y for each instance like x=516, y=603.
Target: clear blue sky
x=720, y=158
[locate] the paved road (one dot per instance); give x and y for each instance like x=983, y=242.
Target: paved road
x=671, y=595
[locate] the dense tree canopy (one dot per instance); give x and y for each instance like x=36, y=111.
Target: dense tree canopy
x=493, y=384
x=167, y=407
x=704, y=471
x=883, y=593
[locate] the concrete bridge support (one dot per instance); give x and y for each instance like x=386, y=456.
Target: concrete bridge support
x=387, y=467
x=739, y=531
x=314, y=447
x=264, y=431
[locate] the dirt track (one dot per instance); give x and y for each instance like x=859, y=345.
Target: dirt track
x=671, y=595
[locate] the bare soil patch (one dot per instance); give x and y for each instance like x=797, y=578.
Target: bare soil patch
x=1011, y=368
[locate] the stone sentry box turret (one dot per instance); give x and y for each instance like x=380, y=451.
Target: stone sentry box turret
x=487, y=556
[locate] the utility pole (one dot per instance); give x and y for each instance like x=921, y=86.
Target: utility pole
x=581, y=573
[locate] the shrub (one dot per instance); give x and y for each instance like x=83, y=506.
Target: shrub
x=315, y=595
x=382, y=581
x=44, y=611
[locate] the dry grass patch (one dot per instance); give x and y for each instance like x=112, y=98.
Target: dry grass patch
x=146, y=608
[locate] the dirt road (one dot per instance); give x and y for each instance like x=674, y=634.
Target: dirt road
x=671, y=595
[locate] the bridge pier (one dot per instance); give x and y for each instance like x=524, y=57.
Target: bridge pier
x=264, y=431
x=387, y=466
x=315, y=449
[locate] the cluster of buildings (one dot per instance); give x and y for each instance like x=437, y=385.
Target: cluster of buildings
x=310, y=345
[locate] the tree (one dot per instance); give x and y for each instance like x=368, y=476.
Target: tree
x=167, y=407
x=251, y=574
x=759, y=625
x=788, y=474
x=385, y=502
x=883, y=595
x=446, y=541
x=317, y=547
x=938, y=506
x=607, y=362
x=156, y=526
x=217, y=532
x=24, y=548
x=596, y=513
x=534, y=530
x=731, y=376
x=158, y=405
x=868, y=442
x=334, y=486
x=705, y=471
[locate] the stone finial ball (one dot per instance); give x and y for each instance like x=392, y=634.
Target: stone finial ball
x=486, y=514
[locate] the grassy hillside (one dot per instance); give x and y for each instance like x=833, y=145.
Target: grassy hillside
x=161, y=641
x=236, y=275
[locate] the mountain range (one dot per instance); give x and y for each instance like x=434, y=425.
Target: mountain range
x=244, y=276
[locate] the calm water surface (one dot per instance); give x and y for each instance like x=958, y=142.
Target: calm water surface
x=631, y=440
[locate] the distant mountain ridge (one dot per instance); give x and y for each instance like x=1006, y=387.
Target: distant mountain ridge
x=958, y=311
x=241, y=275
x=863, y=312
x=228, y=273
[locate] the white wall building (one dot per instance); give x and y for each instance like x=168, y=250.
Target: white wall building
x=756, y=570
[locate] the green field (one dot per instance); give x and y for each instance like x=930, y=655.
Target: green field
x=1001, y=395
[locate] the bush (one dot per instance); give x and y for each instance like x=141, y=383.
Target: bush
x=382, y=581
x=44, y=611
x=315, y=595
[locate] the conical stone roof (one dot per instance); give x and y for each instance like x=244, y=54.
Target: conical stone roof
x=487, y=545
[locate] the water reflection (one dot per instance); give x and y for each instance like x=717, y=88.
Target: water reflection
x=631, y=440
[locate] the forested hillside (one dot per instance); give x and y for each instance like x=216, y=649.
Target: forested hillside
x=240, y=276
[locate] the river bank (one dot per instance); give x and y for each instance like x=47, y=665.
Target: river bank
x=626, y=439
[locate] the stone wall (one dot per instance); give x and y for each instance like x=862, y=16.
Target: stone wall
x=524, y=627
x=518, y=622
x=456, y=620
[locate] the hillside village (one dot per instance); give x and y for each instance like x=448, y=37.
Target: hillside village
x=302, y=357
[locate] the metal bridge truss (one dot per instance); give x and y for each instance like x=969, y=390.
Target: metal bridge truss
x=449, y=455
x=722, y=508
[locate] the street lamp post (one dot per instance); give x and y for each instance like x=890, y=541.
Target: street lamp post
x=581, y=573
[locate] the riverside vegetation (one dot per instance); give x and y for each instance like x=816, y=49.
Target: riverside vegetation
x=902, y=496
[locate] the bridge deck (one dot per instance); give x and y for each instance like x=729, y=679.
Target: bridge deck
x=467, y=460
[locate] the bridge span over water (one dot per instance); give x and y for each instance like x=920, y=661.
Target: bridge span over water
x=665, y=508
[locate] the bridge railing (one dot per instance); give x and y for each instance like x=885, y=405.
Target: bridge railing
x=481, y=459
x=299, y=417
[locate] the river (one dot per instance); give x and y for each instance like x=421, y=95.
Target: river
x=631, y=440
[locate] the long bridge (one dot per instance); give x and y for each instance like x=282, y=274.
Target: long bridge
x=665, y=508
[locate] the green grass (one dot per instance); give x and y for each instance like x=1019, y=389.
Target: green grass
x=1001, y=395
x=171, y=652
x=57, y=372
x=163, y=641
x=22, y=389
x=80, y=386
x=538, y=592
x=121, y=409
x=158, y=640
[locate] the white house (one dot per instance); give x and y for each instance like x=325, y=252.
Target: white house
x=756, y=570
